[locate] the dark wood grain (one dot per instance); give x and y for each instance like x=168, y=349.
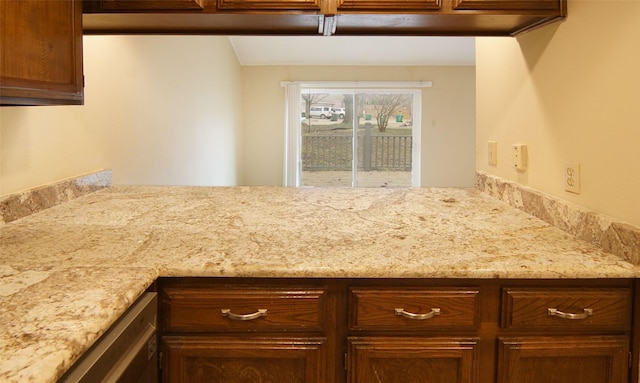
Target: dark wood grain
x=494, y=331
x=527, y=308
x=200, y=309
x=230, y=360
x=585, y=359
x=41, y=52
x=353, y=17
x=374, y=309
x=412, y=360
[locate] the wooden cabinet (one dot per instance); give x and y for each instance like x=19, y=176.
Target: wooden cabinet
x=389, y=5
x=412, y=360
x=454, y=5
x=41, y=51
x=413, y=334
x=258, y=5
x=556, y=359
x=501, y=5
x=554, y=333
x=146, y=5
x=225, y=331
x=308, y=17
x=194, y=359
x=397, y=330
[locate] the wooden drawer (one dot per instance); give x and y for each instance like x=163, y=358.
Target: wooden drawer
x=566, y=308
x=223, y=309
x=413, y=309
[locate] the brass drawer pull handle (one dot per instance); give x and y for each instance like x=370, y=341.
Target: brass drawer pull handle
x=556, y=313
x=260, y=313
x=408, y=315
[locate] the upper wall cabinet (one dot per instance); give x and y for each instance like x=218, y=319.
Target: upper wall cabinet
x=389, y=5
x=340, y=17
x=499, y=5
x=257, y=5
x=41, y=52
x=146, y=5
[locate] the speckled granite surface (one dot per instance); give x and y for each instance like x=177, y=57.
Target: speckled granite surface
x=68, y=272
x=615, y=237
x=18, y=205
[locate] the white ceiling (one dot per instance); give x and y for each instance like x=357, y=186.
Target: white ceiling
x=353, y=50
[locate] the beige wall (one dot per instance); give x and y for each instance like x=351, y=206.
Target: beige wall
x=571, y=92
x=158, y=110
x=448, y=117
x=180, y=110
x=39, y=145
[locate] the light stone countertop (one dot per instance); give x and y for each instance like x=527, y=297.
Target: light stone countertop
x=67, y=273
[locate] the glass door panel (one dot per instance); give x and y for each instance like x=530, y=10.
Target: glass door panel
x=362, y=139
x=384, y=140
x=327, y=139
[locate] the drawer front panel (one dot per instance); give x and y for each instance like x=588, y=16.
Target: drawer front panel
x=566, y=309
x=197, y=310
x=411, y=309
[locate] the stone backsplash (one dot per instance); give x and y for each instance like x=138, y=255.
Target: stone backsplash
x=612, y=236
x=18, y=205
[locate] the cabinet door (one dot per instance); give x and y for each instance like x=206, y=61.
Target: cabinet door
x=511, y=5
x=412, y=360
x=585, y=359
x=389, y=5
x=233, y=360
x=151, y=5
x=257, y=5
x=41, y=51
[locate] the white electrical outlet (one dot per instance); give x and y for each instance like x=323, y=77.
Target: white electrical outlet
x=492, y=153
x=520, y=157
x=572, y=177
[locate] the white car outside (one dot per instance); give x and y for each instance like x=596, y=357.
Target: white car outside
x=320, y=112
x=339, y=111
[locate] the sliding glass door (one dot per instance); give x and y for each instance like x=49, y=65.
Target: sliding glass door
x=358, y=137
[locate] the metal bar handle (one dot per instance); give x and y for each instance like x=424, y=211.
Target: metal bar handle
x=260, y=313
x=408, y=315
x=557, y=313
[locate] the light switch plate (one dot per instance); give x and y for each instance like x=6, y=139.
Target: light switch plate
x=492, y=153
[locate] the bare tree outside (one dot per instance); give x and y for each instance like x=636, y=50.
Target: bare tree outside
x=311, y=99
x=386, y=105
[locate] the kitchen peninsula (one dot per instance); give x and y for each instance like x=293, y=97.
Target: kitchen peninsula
x=67, y=273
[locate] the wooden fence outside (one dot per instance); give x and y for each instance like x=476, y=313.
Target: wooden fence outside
x=323, y=153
